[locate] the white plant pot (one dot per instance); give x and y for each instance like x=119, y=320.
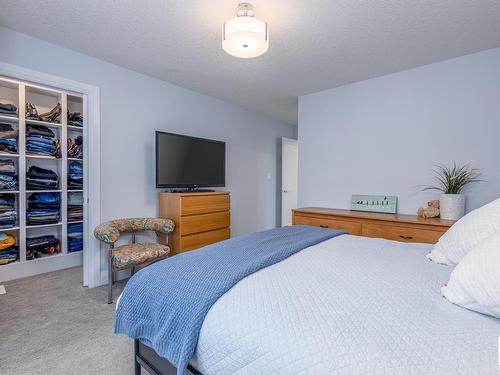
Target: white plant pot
x=452, y=206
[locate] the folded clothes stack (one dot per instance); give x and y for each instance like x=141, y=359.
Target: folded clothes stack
x=8, y=214
x=31, y=112
x=75, y=237
x=8, y=175
x=75, y=175
x=75, y=119
x=41, y=179
x=8, y=138
x=41, y=140
x=75, y=148
x=43, y=208
x=36, y=247
x=8, y=109
x=54, y=115
x=75, y=207
x=8, y=248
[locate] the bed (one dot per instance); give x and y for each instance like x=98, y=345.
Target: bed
x=347, y=305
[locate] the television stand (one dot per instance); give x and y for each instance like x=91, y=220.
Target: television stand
x=200, y=218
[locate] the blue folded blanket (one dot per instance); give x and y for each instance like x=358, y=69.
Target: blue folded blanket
x=164, y=304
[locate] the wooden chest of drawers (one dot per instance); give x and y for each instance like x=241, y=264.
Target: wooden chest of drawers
x=200, y=218
x=406, y=228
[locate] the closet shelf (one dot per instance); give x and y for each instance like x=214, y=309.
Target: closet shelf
x=9, y=191
x=43, y=225
x=9, y=118
x=10, y=264
x=73, y=127
x=7, y=155
x=75, y=159
x=35, y=156
x=75, y=222
x=9, y=229
x=75, y=190
x=43, y=191
x=46, y=256
x=44, y=123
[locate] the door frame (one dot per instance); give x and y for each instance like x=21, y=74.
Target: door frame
x=291, y=141
x=91, y=99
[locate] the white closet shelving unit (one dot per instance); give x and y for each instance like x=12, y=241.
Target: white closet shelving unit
x=44, y=98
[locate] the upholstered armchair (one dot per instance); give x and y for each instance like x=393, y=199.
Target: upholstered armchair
x=134, y=254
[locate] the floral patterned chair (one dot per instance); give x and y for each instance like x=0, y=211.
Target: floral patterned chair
x=134, y=254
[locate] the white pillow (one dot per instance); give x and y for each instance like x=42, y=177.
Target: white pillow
x=466, y=233
x=475, y=282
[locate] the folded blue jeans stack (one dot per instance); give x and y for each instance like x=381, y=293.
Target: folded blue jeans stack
x=8, y=175
x=43, y=208
x=8, y=109
x=40, y=140
x=8, y=214
x=75, y=237
x=75, y=175
x=8, y=138
x=41, y=179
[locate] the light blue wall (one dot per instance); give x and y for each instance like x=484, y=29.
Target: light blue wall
x=133, y=106
x=383, y=135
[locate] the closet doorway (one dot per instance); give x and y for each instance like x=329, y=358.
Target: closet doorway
x=56, y=162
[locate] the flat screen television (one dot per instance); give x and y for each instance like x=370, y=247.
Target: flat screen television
x=189, y=162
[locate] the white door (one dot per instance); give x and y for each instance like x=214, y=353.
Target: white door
x=289, y=178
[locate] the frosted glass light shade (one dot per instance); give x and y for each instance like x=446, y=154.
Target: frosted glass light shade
x=245, y=37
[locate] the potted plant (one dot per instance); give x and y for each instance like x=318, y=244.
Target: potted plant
x=450, y=182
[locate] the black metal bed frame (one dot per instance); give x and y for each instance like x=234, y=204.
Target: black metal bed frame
x=147, y=358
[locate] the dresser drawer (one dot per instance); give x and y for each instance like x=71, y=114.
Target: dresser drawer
x=401, y=233
x=332, y=223
x=194, y=241
x=204, y=222
x=201, y=204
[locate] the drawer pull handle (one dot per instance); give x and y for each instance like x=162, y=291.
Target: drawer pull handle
x=324, y=226
x=406, y=237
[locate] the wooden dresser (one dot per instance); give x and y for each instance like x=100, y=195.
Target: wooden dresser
x=200, y=218
x=406, y=228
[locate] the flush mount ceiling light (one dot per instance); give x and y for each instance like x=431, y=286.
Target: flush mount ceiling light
x=245, y=36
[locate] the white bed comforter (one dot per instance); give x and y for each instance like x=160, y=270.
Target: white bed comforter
x=349, y=305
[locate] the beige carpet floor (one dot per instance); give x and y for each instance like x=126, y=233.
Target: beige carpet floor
x=50, y=324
